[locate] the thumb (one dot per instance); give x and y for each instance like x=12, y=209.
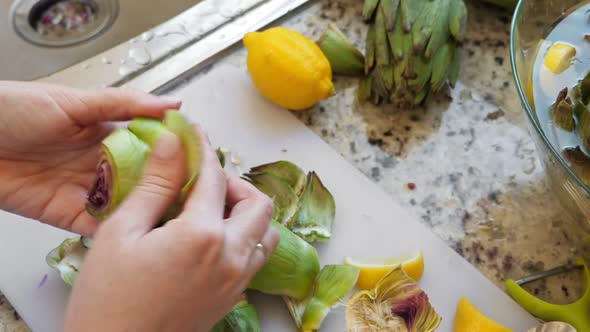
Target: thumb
x=163, y=177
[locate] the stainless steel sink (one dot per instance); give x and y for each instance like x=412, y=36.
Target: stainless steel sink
x=31, y=49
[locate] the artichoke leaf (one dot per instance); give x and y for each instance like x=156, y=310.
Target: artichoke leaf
x=286, y=200
x=331, y=286
x=440, y=28
x=585, y=89
x=370, y=49
x=390, y=9
x=242, y=318
x=457, y=19
x=562, y=111
x=344, y=58
x=409, y=10
x=67, y=259
x=148, y=130
x=287, y=171
x=290, y=270
x=440, y=66
x=316, y=212
x=382, y=49
x=369, y=8
x=455, y=65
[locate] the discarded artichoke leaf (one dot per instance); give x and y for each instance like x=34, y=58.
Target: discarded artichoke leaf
x=389, y=8
x=382, y=50
x=123, y=156
x=287, y=171
x=457, y=19
x=344, y=58
x=579, y=163
x=369, y=8
x=286, y=200
x=147, y=130
x=67, y=259
x=585, y=89
x=370, y=49
x=562, y=111
x=291, y=269
x=316, y=212
x=242, y=318
x=220, y=156
x=396, y=304
x=582, y=114
x=332, y=284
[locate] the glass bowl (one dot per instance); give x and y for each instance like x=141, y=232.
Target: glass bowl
x=532, y=21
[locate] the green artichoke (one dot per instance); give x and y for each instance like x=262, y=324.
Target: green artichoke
x=413, y=49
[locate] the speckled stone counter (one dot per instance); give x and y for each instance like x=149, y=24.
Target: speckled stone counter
x=466, y=165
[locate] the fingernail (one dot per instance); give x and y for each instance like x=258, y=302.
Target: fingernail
x=167, y=147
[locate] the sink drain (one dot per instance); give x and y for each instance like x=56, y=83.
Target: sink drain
x=58, y=23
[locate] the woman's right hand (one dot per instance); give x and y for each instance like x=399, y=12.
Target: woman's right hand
x=185, y=275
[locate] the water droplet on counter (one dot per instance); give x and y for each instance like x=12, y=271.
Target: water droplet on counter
x=140, y=55
x=85, y=66
x=133, y=41
x=106, y=61
x=125, y=70
x=147, y=36
x=179, y=29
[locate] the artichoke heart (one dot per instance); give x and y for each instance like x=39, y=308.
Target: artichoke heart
x=413, y=49
x=396, y=304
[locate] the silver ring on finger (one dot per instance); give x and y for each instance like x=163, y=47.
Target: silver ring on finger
x=260, y=246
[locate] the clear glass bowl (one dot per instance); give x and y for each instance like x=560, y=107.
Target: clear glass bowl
x=532, y=21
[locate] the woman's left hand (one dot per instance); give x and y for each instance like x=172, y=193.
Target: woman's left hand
x=50, y=138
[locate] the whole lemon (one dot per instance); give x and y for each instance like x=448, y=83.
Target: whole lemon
x=288, y=69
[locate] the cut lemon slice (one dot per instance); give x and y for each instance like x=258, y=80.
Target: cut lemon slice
x=559, y=57
x=374, y=269
x=468, y=319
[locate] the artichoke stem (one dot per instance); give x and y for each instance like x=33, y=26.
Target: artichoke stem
x=344, y=58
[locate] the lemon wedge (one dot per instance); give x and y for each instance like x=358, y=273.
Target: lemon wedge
x=373, y=270
x=468, y=319
x=559, y=57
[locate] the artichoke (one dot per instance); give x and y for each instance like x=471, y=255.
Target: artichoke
x=396, y=304
x=413, y=49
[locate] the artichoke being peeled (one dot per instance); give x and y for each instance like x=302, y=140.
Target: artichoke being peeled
x=124, y=153
x=413, y=49
x=396, y=304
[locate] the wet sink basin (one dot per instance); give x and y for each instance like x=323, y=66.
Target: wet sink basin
x=40, y=37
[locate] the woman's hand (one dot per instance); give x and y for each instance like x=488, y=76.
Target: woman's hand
x=185, y=275
x=50, y=138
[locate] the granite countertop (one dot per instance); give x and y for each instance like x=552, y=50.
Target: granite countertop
x=466, y=165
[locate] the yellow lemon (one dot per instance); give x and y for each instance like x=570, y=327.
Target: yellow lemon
x=373, y=270
x=469, y=319
x=288, y=69
x=559, y=57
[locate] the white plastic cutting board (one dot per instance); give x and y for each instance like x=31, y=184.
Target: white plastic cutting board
x=368, y=223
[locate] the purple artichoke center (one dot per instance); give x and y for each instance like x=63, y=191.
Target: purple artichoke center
x=99, y=194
